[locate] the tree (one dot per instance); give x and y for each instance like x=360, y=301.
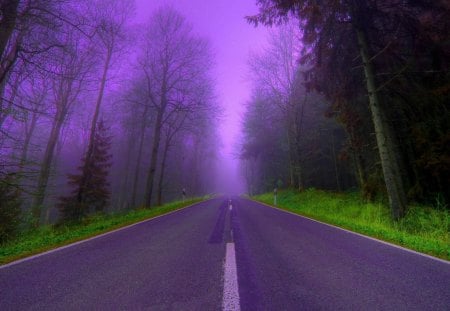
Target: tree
x=176, y=66
x=71, y=67
x=92, y=182
x=275, y=72
x=111, y=17
x=365, y=30
x=9, y=206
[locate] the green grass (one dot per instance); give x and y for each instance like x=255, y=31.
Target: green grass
x=49, y=237
x=423, y=229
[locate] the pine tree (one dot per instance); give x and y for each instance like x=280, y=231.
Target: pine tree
x=9, y=206
x=90, y=193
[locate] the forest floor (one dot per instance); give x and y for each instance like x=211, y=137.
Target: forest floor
x=45, y=238
x=423, y=229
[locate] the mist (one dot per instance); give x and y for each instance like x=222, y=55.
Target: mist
x=113, y=105
x=126, y=104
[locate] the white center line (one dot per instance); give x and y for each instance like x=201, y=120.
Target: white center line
x=230, y=285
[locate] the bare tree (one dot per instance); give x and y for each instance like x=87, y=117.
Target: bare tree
x=276, y=72
x=72, y=66
x=175, y=66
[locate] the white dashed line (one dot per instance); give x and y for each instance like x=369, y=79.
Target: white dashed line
x=230, y=285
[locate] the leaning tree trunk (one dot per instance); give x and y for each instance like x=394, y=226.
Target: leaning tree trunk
x=389, y=163
x=90, y=149
x=44, y=174
x=7, y=24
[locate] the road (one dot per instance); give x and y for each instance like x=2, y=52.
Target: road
x=212, y=256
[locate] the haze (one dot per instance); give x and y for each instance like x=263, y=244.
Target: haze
x=111, y=105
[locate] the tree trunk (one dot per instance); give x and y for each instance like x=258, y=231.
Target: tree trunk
x=38, y=207
x=291, y=160
x=90, y=149
x=28, y=134
x=336, y=169
x=161, y=174
x=123, y=201
x=297, y=156
x=392, y=177
x=7, y=25
x=138, y=161
x=154, y=158
x=361, y=172
x=5, y=110
x=194, y=176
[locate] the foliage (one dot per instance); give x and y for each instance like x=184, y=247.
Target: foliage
x=424, y=228
x=9, y=207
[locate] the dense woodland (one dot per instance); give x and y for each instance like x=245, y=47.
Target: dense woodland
x=98, y=114
x=352, y=95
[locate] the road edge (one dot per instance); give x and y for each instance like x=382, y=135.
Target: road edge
x=353, y=232
x=18, y=261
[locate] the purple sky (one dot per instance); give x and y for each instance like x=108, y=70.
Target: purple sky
x=232, y=38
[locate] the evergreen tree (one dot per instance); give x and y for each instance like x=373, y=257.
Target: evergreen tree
x=393, y=53
x=90, y=193
x=9, y=206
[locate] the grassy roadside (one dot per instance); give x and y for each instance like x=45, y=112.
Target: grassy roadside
x=423, y=229
x=49, y=237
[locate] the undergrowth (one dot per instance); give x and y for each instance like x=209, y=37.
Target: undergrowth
x=424, y=229
x=48, y=237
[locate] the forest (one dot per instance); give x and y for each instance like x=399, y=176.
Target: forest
x=352, y=95
x=224, y=155
x=98, y=113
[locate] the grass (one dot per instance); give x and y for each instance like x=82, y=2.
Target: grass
x=50, y=237
x=423, y=229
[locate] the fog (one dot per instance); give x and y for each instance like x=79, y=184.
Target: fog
x=111, y=105
x=123, y=104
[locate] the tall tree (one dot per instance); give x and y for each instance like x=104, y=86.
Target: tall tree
x=176, y=65
x=111, y=17
x=275, y=70
x=71, y=67
x=9, y=206
x=368, y=32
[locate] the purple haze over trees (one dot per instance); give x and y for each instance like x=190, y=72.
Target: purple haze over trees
x=172, y=82
x=167, y=83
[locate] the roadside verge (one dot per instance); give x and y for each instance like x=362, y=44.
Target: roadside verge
x=423, y=230
x=48, y=238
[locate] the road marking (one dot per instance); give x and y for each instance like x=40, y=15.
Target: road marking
x=230, y=284
x=94, y=237
x=231, y=207
x=356, y=233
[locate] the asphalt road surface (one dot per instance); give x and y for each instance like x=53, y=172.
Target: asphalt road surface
x=214, y=256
